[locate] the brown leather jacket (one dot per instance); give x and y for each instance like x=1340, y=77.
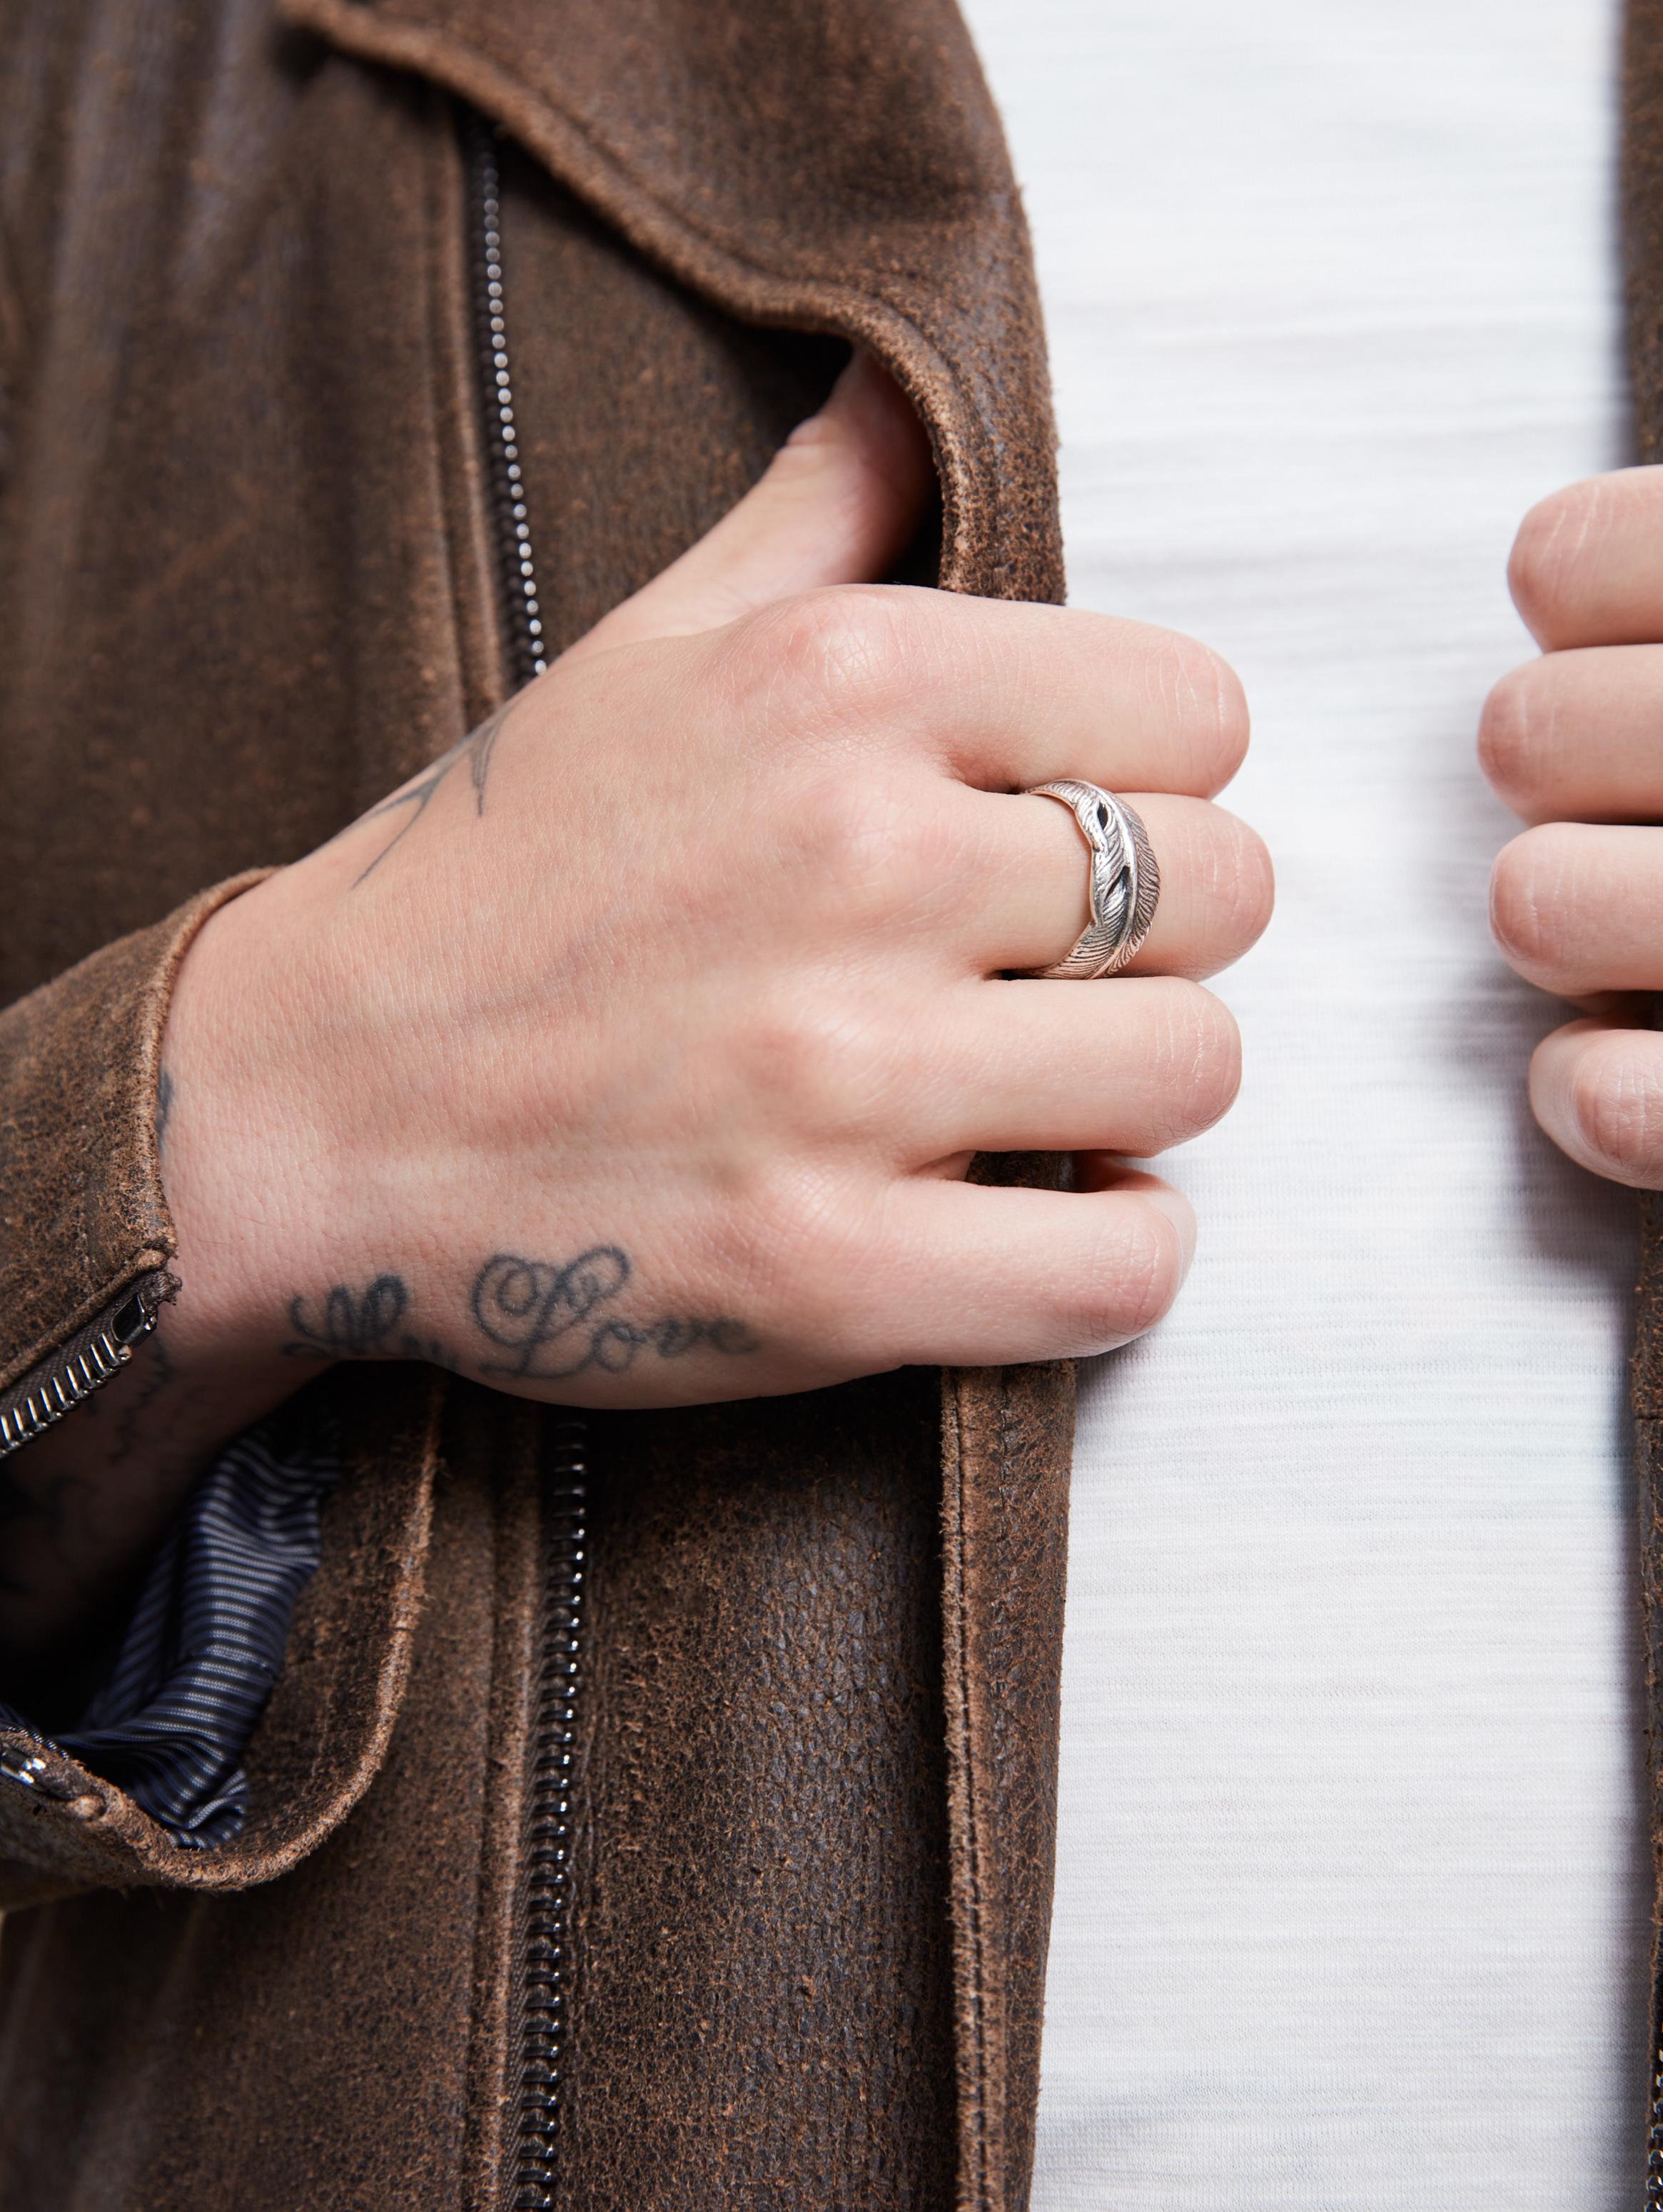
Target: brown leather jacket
x=782, y=1937
x=786, y=1943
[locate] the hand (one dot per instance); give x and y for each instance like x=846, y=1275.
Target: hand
x=636, y=1053
x=1571, y=742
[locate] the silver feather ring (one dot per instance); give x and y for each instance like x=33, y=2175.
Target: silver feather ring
x=1124, y=883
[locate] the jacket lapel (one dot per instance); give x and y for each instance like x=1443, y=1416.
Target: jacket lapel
x=837, y=169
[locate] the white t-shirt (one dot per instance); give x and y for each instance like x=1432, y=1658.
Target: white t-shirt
x=1352, y=1909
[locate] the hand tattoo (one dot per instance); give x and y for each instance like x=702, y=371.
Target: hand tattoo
x=480, y=747
x=352, y=1325
x=548, y=1316
x=477, y=749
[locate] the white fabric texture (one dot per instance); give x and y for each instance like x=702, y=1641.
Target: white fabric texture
x=1351, y=1905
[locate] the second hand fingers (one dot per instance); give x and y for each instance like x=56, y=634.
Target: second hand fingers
x=1576, y=908
x=1587, y=566
x=1597, y=1090
x=1573, y=736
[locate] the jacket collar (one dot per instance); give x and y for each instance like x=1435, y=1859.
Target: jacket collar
x=838, y=169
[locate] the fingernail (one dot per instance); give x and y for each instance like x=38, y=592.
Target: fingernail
x=1180, y=1211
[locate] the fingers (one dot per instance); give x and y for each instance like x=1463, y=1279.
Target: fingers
x=1597, y=1090
x=1579, y=909
x=1135, y=1065
x=1026, y=895
x=1577, y=905
x=997, y=693
x=1587, y=564
x=1574, y=735
x=839, y=505
x=984, y=884
x=967, y=1276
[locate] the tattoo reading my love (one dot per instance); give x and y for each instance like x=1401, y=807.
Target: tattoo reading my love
x=533, y=1321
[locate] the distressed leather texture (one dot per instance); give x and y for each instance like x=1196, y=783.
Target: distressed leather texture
x=81, y=1208
x=245, y=587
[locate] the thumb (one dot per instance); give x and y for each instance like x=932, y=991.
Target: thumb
x=839, y=505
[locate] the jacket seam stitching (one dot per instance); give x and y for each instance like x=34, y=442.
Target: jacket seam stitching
x=975, y=1929
x=452, y=372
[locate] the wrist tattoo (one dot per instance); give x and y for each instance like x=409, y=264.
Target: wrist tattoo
x=552, y=1319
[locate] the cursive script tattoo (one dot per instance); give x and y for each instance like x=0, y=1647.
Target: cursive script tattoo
x=367, y=1324
x=476, y=749
x=551, y=1317
x=351, y=1324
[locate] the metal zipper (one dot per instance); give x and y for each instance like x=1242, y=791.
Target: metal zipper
x=517, y=568
x=543, y=1916
x=33, y=1761
x=92, y=1356
x=545, y=1922
x=1655, y=2136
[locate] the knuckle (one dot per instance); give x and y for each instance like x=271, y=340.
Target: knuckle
x=1548, y=549
x=1530, y=887
x=814, y=1244
x=1506, y=748
x=830, y=659
x=811, y=1061
x=863, y=847
x=790, y=1214
x=782, y=1235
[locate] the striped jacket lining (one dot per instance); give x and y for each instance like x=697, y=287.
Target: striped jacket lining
x=207, y=1636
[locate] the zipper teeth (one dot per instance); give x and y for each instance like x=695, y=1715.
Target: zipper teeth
x=546, y=1873
x=543, y=1988
x=20, y=1766
x=1654, y=2139
x=517, y=566
x=63, y=1387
